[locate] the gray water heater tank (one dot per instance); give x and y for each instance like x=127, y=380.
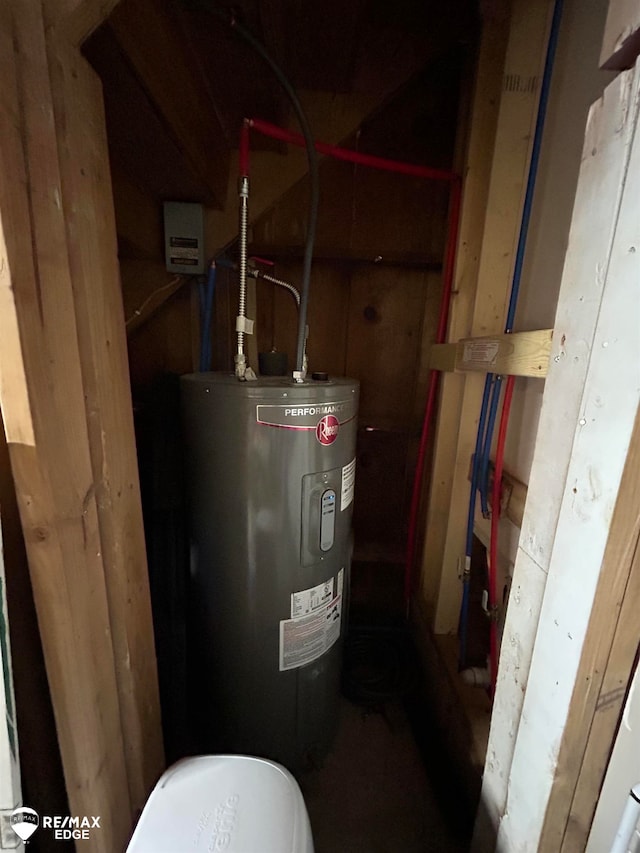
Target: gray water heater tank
x=271, y=470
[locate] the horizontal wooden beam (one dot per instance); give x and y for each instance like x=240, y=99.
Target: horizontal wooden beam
x=517, y=354
x=154, y=302
x=349, y=256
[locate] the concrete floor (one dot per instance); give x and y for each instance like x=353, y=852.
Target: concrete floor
x=373, y=794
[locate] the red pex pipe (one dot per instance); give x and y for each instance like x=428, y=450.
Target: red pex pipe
x=434, y=380
x=495, y=519
x=397, y=166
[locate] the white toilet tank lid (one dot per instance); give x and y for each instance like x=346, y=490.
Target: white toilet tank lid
x=230, y=803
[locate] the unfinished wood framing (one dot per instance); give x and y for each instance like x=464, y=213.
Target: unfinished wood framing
x=514, y=495
x=56, y=498
x=477, y=173
x=87, y=204
x=355, y=257
x=602, y=179
x=518, y=354
x=443, y=357
x=67, y=412
x=604, y=675
x=597, y=375
x=164, y=290
x=511, y=153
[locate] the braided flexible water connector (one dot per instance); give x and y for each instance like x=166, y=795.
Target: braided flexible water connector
x=242, y=269
x=292, y=290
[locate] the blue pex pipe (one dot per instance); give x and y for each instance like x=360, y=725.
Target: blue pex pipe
x=475, y=467
x=483, y=465
x=475, y=471
x=524, y=225
x=484, y=440
x=203, y=301
x=524, y=228
x=535, y=161
x=211, y=287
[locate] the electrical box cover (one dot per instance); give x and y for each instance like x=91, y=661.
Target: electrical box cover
x=184, y=237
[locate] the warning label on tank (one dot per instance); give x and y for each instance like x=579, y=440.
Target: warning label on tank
x=305, y=602
x=348, y=484
x=316, y=617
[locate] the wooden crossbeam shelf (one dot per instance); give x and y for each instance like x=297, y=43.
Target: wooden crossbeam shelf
x=517, y=354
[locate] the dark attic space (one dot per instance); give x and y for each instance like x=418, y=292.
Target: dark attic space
x=319, y=394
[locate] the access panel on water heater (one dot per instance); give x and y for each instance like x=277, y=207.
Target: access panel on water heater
x=327, y=519
x=319, y=511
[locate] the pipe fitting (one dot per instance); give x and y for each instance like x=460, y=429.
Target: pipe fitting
x=240, y=361
x=243, y=186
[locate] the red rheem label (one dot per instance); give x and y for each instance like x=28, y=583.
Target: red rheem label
x=327, y=429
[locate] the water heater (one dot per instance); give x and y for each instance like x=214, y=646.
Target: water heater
x=271, y=470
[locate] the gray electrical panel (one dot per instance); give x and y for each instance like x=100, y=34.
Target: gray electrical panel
x=271, y=471
x=184, y=237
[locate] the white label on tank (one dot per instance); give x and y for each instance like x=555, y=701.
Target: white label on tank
x=348, y=484
x=305, y=638
x=309, y=600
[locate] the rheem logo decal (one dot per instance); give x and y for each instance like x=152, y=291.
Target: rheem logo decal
x=327, y=429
